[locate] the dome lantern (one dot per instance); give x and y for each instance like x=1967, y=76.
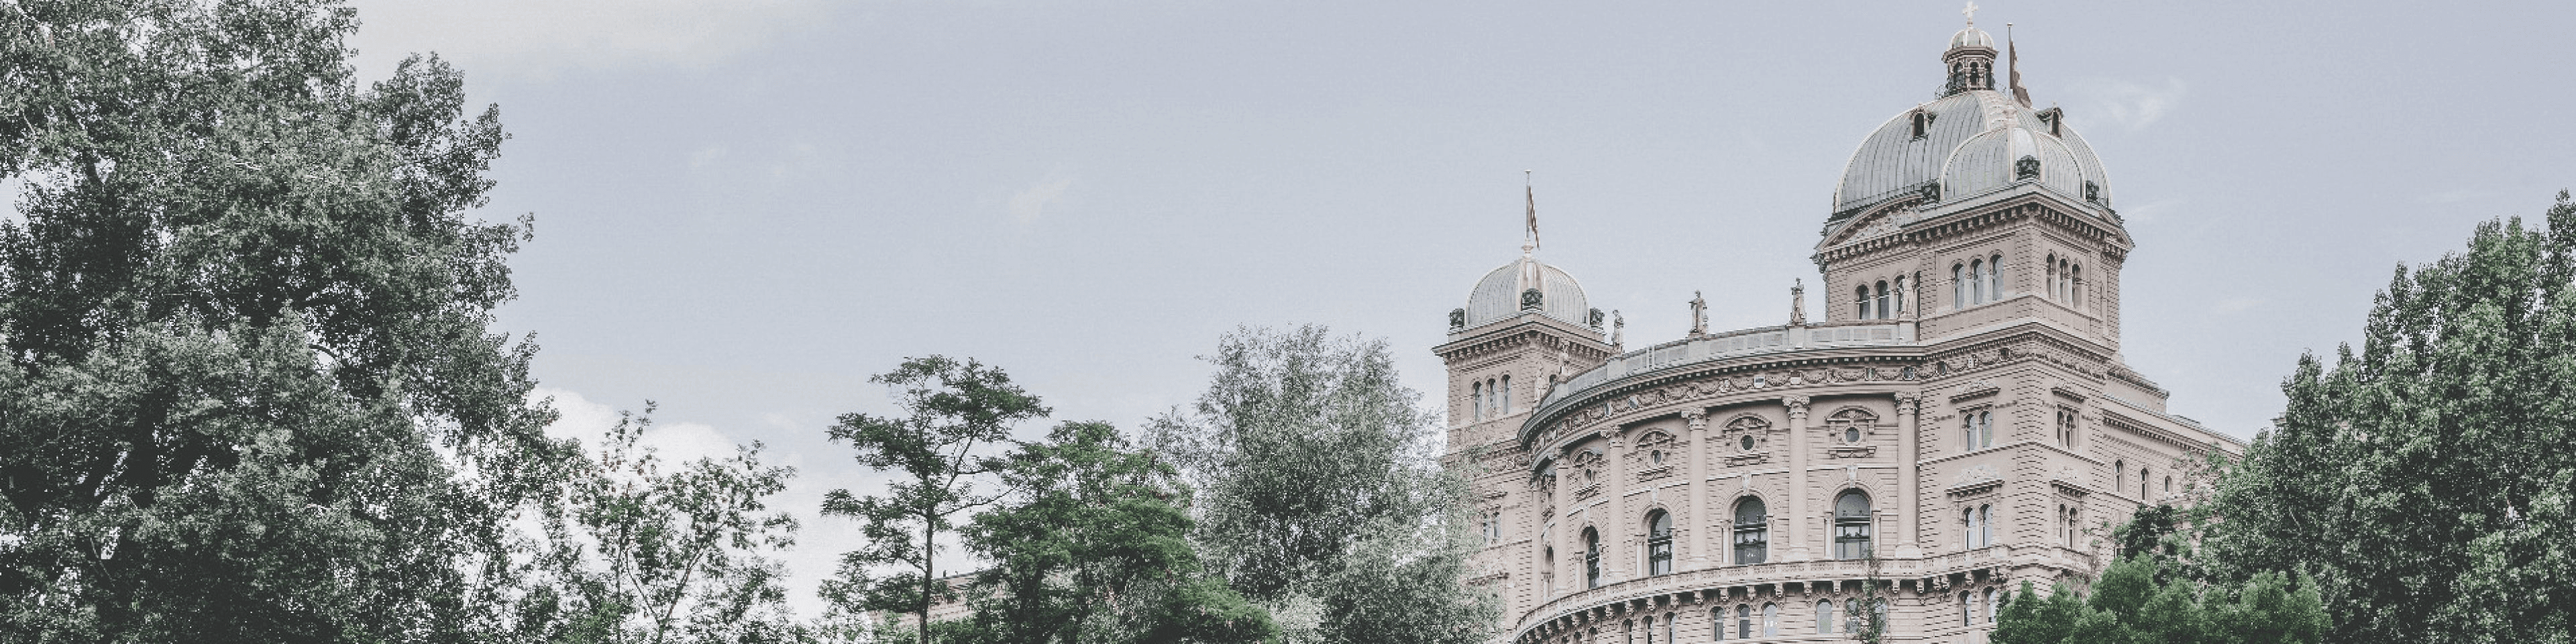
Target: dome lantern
x=1971, y=57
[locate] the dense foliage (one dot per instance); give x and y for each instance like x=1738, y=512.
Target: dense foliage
x=1318, y=496
x=2134, y=603
x=1093, y=546
x=2425, y=481
x=251, y=391
x=952, y=410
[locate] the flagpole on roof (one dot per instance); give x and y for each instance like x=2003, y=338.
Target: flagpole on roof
x=1532, y=194
x=2013, y=61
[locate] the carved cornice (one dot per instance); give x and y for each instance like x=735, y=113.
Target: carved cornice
x=1667, y=395
x=1975, y=487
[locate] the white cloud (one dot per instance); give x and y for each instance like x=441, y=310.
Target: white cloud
x=538, y=38
x=580, y=418
x=2132, y=105
x=1029, y=204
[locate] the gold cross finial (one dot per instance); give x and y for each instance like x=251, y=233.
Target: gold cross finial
x=1971, y=13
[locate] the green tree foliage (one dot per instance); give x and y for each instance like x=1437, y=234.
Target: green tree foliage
x=1318, y=496
x=952, y=410
x=638, y=554
x=252, y=393
x=2425, y=481
x=1093, y=546
x=2136, y=602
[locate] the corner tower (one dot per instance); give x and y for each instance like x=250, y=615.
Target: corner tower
x=1525, y=328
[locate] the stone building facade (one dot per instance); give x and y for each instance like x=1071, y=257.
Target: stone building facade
x=1956, y=420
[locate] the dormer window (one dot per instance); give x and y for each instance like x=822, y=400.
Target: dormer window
x=2056, y=120
x=1922, y=122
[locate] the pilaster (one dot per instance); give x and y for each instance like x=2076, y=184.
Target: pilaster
x=1909, y=478
x=1799, y=519
x=1697, y=518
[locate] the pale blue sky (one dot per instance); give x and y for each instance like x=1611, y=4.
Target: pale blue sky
x=746, y=208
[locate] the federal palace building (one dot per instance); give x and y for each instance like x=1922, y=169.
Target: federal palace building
x=1956, y=420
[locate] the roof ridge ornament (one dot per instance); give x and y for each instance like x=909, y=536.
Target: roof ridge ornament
x=1971, y=12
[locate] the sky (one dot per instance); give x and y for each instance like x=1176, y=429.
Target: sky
x=746, y=208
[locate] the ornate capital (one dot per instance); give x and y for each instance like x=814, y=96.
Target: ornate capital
x=1907, y=404
x=1797, y=404
x=1698, y=418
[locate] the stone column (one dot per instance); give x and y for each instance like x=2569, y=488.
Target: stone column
x=1612, y=520
x=1799, y=521
x=1908, y=477
x=1564, y=544
x=1697, y=519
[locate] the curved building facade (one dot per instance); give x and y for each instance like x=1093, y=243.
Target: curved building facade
x=1956, y=420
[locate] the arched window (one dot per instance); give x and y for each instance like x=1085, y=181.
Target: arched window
x=2067, y=529
x=1967, y=614
x=1476, y=393
x=1547, y=569
x=2065, y=281
x=1650, y=629
x=1717, y=622
x=2168, y=484
x=1860, y=302
x=1990, y=606
x=1883, y=311
x=1659, y=543
x=1976, y=281
x=1851, y=525
x=1770, y=620
x=2119, y=475
x=1995, y=279
x=1670, y=634
x=1825, y=617
x=1507, y=395
x=1752, y=531
x=1743, y=622
x=2048, y=269
x=1975, y=529
x=2075, y=285
x=1986, y=524
x=1977, y=429
x=1958, y=288
x=1591, y=558
x=2066, y=427
x=1628, y=631
x=2142, y=483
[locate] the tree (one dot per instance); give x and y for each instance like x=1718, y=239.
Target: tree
x=1865, y=619
x=251, y=391
x=1319, y=496
x=634, y=553
x=1094, y=547
x=2425, y=479
x=2134, y=601
x=952, y=410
